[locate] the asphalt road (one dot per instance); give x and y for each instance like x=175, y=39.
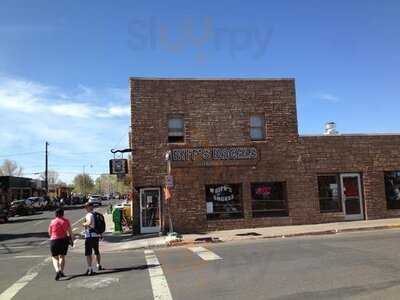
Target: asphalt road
x=363, y=265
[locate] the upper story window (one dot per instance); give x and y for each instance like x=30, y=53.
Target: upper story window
x=257, y=128
x=176, y=131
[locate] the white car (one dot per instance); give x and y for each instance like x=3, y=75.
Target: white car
x=95, y=199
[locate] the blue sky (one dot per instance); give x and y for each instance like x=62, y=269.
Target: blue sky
x=64, y=66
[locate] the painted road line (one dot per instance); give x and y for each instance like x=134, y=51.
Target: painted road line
x=205, y=253
x=40, y=222
x=16, y=247
x=9, y=293
x=23, y=257
x=159, y=283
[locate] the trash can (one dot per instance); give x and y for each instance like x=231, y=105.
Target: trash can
x=117, y=219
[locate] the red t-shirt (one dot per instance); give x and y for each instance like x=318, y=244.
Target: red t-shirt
x=58, y=228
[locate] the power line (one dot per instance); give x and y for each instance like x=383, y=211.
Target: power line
x=21, y=154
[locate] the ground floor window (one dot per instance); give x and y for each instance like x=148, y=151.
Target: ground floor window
x=224, y=201
x=329, y=193
x=269, y=199
x=392, y=185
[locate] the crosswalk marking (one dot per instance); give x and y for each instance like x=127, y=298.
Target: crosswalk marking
x=9, y=293
x=205, y=253
x=158, y=281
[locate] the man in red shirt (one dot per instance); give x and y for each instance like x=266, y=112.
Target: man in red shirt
x=60, y=237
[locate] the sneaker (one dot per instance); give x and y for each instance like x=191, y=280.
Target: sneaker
x=100, y=268
x=62, y=274
x=58, y=275
x=90, y=273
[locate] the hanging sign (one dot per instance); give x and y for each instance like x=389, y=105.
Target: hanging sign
x=118, y=166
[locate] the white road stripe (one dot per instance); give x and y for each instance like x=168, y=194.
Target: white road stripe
x=22, y=257
x=40, y=222
x=9, y=293
x=205, y=253
x=159, y=283
x=16, y=247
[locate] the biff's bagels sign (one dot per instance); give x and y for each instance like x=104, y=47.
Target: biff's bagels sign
x=214, y=154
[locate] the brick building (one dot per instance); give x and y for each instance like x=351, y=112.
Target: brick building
x=15, y=188
x=237, y=159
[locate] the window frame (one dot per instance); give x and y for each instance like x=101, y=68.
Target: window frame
x=339, y=209
x=262, y=127
x=170, y=137
x=273, y=212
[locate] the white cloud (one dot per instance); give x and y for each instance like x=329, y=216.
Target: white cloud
x=29, y=97
x=327, y=97
x=85, y=120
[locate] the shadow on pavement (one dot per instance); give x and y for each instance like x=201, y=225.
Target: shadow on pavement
x=118, y=238
x=12, y=236
x=111, y=271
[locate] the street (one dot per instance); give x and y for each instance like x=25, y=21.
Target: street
x=362, y=265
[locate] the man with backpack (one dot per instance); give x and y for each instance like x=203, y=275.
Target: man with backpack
x=94, y=228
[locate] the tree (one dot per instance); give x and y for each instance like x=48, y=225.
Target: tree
x=10, y=168
x=83, y=184
x=108, y=184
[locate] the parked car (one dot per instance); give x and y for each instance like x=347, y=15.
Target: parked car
x=95, y=199
x=38, y=202
x=3, y=215
x=21, y=208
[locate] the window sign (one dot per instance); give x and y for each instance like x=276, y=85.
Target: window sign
x=224, y=201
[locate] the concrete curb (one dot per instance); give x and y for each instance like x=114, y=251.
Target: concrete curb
x=216, y=240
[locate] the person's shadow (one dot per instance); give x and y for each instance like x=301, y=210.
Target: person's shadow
x=110, y=271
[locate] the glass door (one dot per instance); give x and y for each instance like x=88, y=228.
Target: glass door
x=150, y=210
x=352, y=196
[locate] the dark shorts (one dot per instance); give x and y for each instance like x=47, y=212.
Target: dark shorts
x=59, y=247
x=92, y=244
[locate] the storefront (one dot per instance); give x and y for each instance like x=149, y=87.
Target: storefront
x=14, y=188
x=237, y=160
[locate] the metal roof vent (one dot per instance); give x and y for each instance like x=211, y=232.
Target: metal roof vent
x=330, y=129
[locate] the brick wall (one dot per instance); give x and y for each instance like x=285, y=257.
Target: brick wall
x=217, y=113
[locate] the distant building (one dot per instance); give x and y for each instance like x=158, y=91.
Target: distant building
x=14, y=188
x=238, y=160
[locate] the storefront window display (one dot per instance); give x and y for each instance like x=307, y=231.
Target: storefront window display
x=329, y=193
x=392, y=184
x=224, y=201
x=269, y=199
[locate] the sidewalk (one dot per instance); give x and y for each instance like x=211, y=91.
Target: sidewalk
x=119, y=242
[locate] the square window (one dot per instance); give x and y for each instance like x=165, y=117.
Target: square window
x=269, y=199
x=224, y=201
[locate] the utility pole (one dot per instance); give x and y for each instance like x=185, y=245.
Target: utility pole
x=46, y=170
x=84, y=182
